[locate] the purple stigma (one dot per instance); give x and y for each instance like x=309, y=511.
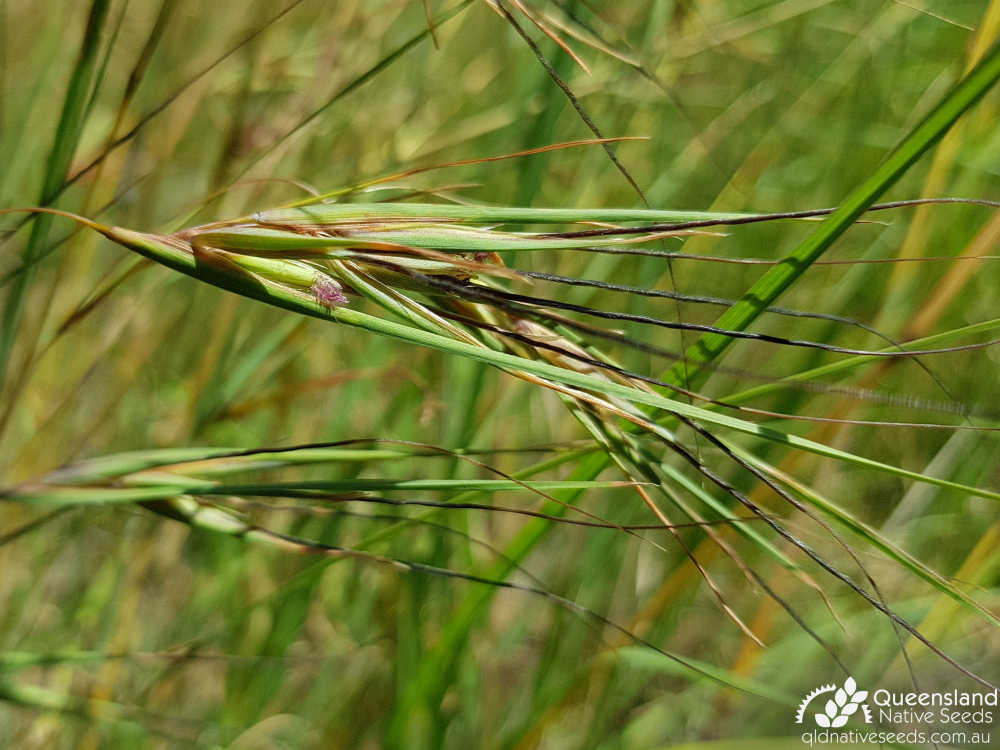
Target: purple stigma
x=328, y=292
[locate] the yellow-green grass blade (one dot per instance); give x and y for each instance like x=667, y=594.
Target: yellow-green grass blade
x=215, y=461
x=330, y=213
x=162, y=486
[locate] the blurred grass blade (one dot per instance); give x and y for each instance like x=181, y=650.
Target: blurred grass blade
x=650, y=660
x=46, y=700
x=67, y=138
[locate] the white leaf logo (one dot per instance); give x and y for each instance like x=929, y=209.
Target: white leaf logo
x=842, y=703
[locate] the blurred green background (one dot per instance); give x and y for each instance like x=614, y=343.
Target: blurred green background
x=193, y=638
